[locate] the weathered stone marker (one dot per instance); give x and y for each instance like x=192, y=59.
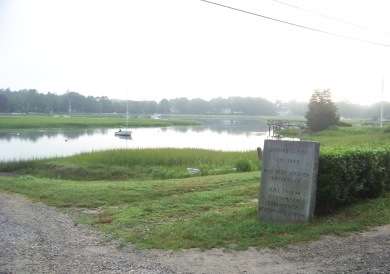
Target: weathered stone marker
x=288, y=181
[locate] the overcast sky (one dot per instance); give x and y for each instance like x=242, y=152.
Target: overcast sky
x=155, y=49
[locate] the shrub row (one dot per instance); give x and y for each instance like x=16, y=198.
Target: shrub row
x=347, y=175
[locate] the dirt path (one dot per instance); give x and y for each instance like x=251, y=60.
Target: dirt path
x=35, y=238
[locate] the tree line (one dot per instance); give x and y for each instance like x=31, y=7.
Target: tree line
x=31, y=101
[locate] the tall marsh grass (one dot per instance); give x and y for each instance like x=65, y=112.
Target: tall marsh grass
x=163, y=156
x=120, y=164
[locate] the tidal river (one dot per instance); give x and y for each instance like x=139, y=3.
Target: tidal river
x=34, y=144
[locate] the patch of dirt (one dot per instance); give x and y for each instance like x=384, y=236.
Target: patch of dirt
x=35, y=238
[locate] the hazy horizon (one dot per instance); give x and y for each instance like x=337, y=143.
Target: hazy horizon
x=151, y=50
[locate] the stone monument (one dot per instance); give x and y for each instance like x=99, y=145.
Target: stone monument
x=288, y=181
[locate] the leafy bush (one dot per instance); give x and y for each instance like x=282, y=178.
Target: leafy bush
x=350, y=174
x=344, y=124
x=243, y=165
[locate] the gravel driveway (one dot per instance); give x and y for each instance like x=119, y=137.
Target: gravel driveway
x=35, y=238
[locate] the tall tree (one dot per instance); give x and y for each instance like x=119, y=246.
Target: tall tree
x=198, y=106
x=164, y=106
x=322, y=111
x=180, y=104
x=3, y=103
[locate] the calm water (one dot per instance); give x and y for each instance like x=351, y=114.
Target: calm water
x=227, y=135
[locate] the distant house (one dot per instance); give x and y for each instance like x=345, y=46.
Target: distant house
x=283, y=111
x=174, y=110
x=226, y=111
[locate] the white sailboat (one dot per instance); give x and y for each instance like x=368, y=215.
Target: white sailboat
x=124, y=132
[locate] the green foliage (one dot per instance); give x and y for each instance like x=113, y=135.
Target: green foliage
x=344, y=124
x=347, y=175
x=322, y=111
x=165, y=163
x=244, y=165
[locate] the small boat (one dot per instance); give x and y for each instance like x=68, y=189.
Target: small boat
x=155, y=116
x=124, y=132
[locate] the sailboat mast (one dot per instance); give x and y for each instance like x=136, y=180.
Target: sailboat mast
x=127, y=113
x=383, y=80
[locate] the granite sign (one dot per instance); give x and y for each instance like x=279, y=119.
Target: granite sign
x=288, y=181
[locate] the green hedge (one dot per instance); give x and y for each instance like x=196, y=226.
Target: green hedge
x=347, y=175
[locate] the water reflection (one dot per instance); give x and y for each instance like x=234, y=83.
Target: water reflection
x=31, y=135
x=123, y=137
x=231, y=126
x=227, y=135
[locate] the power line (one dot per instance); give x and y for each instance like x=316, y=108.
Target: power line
x=296, y=25
x=332, y=18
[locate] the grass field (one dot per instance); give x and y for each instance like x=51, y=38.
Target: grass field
x=203, y=212
x=345, y=136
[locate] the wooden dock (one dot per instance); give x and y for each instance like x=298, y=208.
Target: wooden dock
x=283, y=124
